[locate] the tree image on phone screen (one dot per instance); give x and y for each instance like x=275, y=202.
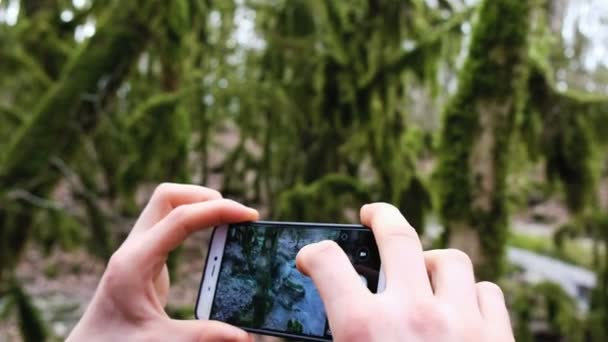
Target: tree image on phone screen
x=260, y=288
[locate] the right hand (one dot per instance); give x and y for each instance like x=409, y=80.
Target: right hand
x=429, y=296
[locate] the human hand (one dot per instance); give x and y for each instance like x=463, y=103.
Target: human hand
x=129, y=302
x=429, y=296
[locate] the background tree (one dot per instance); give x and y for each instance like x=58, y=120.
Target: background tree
x=306, y=110
x=476, y=135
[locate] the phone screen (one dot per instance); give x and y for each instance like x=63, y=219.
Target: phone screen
x=260, y=289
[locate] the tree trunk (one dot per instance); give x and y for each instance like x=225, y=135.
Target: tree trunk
x=477, y=132
x=55, y=127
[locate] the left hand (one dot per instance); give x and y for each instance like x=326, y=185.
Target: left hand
x=129, y=302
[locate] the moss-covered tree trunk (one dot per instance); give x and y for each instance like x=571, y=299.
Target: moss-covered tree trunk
x=63, y=115
x=476, y=134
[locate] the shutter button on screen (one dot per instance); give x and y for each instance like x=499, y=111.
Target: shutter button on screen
x=362, y=254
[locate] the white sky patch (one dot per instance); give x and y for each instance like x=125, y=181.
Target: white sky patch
x=9, y=14
x=470, y=3
x=85, y=31
x=466, y=28
x=81, y=4
x=66, y=16
x=590, y=18
x=432, y=3
x=143, y=64
x=408, y=45
x=244, y=33
x=215, y=19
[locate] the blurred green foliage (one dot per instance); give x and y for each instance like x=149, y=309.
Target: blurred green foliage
x=306, y=109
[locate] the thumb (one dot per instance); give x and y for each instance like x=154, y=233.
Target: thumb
x=333, y=274
x=195, y=330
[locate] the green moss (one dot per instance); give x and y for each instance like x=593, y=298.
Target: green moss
x=489, y=81
x=31, y=324
x=160, y=127
x=294, y=326
x=97, y=67
x=324, y=200
x=570, y=251
x=180, y=312
x=546, y=302
x=566, y=137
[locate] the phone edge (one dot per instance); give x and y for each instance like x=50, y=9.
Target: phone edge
x=200, y=286
x=314, y=224
x=204, y=271
x=285, y=335
x=274, y=223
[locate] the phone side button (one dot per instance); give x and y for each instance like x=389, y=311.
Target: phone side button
x=213, y=271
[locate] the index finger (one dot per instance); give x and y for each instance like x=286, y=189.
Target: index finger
x=172, y=230
x=168, y=196
x=400, y=249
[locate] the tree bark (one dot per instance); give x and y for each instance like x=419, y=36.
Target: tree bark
x=476, y=134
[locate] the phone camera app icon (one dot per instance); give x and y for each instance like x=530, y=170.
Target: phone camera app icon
x=362, y=253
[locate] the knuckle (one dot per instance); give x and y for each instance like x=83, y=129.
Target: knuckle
x=117, y=270
x=427, y=317
x=163, y=190
x=400, y=231
x=179, y=214
x=359, y=325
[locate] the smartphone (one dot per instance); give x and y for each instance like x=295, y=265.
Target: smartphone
x=250, y=278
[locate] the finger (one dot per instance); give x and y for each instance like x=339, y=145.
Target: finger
x=453, y=279
x=206, y=331
x=492, y=306
x=400, y=249
x=182, y=221
x=334, y=276
x=167, y=197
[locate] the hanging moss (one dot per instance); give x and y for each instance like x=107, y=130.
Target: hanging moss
x=595, y=225
x=548, y=303
x=97, y=66
x=569, y=127
x=335, y=77
x=324, y=200
x=31, y=325
x=414, y=202
x=477, y=128
x=158, y=128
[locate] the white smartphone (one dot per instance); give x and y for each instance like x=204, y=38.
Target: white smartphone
x=250, y=278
